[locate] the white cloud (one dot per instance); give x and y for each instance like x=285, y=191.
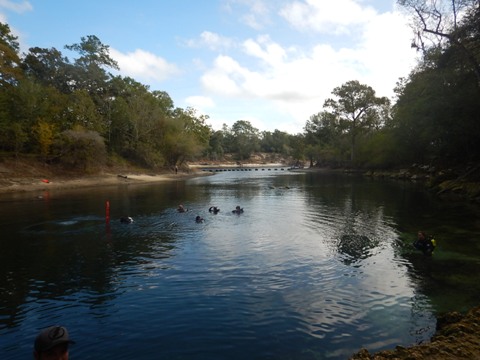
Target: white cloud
x=257, y=14
x=210, y=40
x=200, y=102
x=386, y=52
x=223, y=77
x=18, y=7
x=295, y=83
x=272, y=54
x=334, y=17
x=144, y=66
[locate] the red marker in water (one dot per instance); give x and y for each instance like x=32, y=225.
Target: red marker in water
x=107, y=211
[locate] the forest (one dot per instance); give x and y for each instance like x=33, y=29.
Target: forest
x=74, y=113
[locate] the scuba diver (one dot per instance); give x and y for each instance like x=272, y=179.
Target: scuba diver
x=425, y=243
x=238, y=210
x=126, y=220
x=214, y=209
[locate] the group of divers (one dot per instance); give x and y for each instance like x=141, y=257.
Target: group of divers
x=425, y=243
x=181, y=209
x=212, y=209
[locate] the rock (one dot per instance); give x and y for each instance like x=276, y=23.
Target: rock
x=457, y=337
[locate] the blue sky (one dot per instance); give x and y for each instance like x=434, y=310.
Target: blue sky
x=271, y=62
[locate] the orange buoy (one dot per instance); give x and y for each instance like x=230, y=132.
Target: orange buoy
x=45, y=181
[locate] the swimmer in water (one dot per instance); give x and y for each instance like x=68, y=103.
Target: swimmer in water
x=238, y=210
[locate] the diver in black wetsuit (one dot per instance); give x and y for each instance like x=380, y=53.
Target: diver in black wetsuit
x=238, y=210
x=214, y=209
x=425, y=243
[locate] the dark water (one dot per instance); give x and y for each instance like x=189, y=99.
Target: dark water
x=317, y=266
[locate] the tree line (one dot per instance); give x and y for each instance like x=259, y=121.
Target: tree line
x=76, y=113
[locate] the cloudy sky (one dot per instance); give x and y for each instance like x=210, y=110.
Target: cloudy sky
x=271, y=62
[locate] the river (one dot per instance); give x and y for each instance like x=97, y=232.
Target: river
x=317, y=266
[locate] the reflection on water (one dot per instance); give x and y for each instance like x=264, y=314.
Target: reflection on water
x=317, y=266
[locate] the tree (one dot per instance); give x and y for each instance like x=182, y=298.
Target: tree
x=89, y=71
x=216, y=150
x=28, y=103
x=49, y=67
x=164, y=101
x=82, y=112
x=80, y=149
x=297, y=143
x=436, y=23
x=10, y=71
x=276, y=142
x=45, y=133
x=323, y=135
x=93, y=53
x=357, y=108
x=187, y=136
x=245, y=138
x=437, y=114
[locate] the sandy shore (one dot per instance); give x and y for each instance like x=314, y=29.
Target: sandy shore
x=26, y=184
x=25, y=174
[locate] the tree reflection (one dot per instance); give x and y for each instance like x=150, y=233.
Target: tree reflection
x=356, y=247
x=87, y=264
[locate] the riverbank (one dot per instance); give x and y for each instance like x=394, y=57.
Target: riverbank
x=26, y=176
x=44, y=184
x=457, y=337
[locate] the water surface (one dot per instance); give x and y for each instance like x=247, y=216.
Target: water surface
x=318, y=266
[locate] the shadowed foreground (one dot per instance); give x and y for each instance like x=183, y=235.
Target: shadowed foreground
x=457, y=337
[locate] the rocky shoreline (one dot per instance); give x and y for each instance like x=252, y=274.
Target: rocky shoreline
x=463, y=184
x=457, y=337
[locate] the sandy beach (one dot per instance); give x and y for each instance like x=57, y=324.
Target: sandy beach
x=24, y=174
x=24, y=179
x=29, y=183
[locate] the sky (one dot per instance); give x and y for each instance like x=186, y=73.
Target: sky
x=270, y=62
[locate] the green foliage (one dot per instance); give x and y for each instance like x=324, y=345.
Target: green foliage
x=80, y=149
x=17, y=137
x=45, y=133
x=216, y=145
x=76, y=106
x=357, y=110
x=245, y=139
x=380, y=150
x=48, y=67
x=10, y=71
x=437, y=113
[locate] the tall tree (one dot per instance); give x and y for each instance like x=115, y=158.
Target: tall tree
x=357, y=108
x=49, y=67
x=245, y=138
x=90, y=67
x=10, y=71
x=323, y=135
x=436, y=23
